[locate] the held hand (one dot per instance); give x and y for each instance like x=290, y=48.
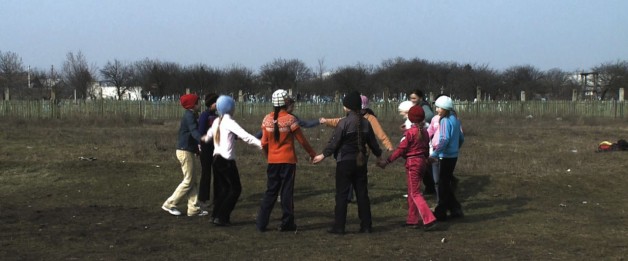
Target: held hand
x=204, y=138
x=318, y=158
x=432, y=160
x=390, y=149
x=322, y=120
x=382, y=164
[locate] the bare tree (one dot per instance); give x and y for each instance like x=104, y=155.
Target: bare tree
x=354, y=78
x=236, y=78
x=120, y=75
x=321, y=68
x=612, y=76
x=285, y=74
x=523, y=78
x=201, y=78
x=159, y=78
x=77, y=74
x=11, y=70
x=557, y=84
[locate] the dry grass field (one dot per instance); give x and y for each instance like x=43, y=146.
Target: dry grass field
x=532, y=189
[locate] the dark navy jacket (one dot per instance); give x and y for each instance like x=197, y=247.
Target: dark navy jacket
x=189, y=136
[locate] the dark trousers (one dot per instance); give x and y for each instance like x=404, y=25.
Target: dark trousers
x=428, y=181
x=227, y=188
x=348, y=174
x=280, y=178
x=446, y=198
x=204, y=185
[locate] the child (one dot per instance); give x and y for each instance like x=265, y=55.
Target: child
x=445, y=153
x=348, y=145
x=187, y=147
x=431, y=130
x=290, y=104
x=403, y=108
x=377, y=128
x=418, y=98
x=371, y=117
x=280, y=128
x=223, y=131
x=414, y=147
x=207, y=149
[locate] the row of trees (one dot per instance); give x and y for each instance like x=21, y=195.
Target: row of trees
x=399, y=75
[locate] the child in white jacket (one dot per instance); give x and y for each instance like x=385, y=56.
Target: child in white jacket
x=224, y=130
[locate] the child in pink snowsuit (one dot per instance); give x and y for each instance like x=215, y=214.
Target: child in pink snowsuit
x=414, y=147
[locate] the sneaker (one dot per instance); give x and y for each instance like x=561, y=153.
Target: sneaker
x=456, y=213
x=220, y=223
x=287, y=228
x=334, y=230
x=202, y=213
x=430, y=226
x=172, y=211
x=366, y=230
x=413, y=226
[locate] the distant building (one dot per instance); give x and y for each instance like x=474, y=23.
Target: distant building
x=101, y=90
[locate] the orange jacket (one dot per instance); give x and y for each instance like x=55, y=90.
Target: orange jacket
x=282, y=150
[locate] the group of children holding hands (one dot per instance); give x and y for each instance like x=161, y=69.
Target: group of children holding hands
x=213, y=135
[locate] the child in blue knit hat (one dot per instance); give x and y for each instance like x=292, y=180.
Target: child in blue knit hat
x=226, y=175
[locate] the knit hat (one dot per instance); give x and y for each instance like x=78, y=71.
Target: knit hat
x=352, y=101
x=210, y=99
x=225, y=105
x=188, y=101
x=405, y=106
x=444, y=102
x=416, y=114
x=279, y=97
x=365, y=101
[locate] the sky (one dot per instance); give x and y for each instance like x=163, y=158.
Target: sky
x=570, y=35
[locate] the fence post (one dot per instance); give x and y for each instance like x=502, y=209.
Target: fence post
x=6, y=94
x=574, y=95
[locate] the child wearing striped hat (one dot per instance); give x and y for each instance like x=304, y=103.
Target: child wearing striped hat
x=280, y=129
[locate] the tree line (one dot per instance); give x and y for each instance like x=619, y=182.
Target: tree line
x=393, y=76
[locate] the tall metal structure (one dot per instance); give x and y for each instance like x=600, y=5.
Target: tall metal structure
x=590, y=91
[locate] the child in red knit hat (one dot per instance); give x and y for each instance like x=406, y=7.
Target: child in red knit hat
x=414, y=147
x=187, y=148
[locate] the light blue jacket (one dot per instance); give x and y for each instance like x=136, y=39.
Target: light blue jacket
x=451, y=138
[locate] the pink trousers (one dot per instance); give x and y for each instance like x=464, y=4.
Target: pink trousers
x=415, y=168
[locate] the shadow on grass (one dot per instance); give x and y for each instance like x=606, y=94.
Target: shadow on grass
x=470, y=188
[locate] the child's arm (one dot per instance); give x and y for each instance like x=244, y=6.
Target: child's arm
x=330, y=122
x=379, y=133
x=307, y=123
x=243, y=135
x=332, y=145
x=298, y=134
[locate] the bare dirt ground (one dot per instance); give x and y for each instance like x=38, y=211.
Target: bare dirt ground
x=532, y=189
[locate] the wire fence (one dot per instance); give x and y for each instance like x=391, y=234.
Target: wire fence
x=165, y=110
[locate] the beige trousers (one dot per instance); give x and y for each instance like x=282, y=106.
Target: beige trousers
x=189, y=185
